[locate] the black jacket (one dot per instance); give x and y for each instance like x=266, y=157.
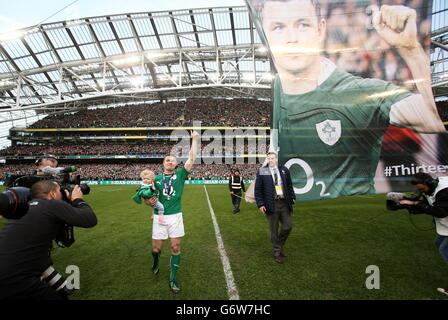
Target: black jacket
x=265, y=189
x=439, y=208
x=25, y=244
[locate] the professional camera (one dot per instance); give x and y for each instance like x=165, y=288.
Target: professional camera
x=14, y=201
x=394, y=198
x=67, y=181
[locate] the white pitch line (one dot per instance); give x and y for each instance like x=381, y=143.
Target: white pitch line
x=232, y=290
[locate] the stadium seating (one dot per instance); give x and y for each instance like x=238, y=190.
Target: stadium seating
x=152, y=149
x=211, y=112
x=132, y=171
x=95, y=144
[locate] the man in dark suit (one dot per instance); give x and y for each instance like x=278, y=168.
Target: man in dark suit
x=275, y=197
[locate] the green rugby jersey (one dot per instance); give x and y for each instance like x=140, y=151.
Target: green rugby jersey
x=330, y=138
x=170, y=190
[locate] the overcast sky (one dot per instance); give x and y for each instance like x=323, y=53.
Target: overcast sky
x=17, y=14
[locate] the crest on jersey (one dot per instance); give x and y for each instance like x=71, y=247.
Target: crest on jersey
x=329, y=131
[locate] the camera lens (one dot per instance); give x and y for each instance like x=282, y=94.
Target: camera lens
x=14, y=202
x=85, y=189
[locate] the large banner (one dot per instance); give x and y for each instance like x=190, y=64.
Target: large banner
x=353, y=109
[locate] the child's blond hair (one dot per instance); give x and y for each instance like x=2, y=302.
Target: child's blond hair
x=147, y=174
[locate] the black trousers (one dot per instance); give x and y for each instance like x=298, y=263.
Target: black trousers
x=236, y=199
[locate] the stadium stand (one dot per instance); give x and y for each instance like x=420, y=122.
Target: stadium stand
x=131, y=171
x=103, y=149
x=156, y=149
x=211, y=112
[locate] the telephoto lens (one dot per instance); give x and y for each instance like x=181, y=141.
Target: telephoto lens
x=14, y=203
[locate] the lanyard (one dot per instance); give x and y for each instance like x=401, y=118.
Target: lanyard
x=279, y=184
x=279, y=180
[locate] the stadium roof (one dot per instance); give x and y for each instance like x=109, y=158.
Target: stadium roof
x=439, y=52
x=209, y=52
x=158, y=55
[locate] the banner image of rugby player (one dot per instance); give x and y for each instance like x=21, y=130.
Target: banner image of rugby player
x=350, y=74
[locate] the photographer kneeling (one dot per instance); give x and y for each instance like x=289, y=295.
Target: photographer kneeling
x=25, y=244
x=435, y=203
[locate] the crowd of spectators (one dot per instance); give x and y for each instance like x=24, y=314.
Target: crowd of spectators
x=151, y=149
x=89, y=149
x=210, y=112
x=349, y=26
x=132, y=171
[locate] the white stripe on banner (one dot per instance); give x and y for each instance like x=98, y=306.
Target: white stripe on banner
x=230, y=280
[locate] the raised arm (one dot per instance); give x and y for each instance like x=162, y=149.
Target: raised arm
x=78, y=214
x=397, y=26
x=196, y=138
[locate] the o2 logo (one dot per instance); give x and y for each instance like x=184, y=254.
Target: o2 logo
x=310, y=182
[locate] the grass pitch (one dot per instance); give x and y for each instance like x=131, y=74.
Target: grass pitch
x=330, y=247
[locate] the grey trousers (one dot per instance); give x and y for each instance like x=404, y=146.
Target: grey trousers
x=280, y=225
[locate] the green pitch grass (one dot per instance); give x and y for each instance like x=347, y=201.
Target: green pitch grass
x=330, y=247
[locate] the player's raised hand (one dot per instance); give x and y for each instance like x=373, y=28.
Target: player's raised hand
x=397, y=25
x=195, y=135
